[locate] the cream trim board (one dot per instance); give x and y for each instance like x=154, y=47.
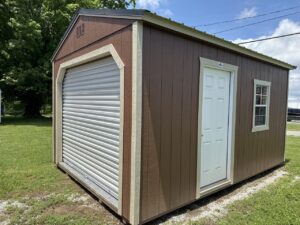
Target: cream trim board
x=207, y=63
x=136, y=136
x=99, y=53
x=266, y=126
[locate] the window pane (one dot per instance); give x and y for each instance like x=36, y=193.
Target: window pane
x=260, y=120
x=264, y=90
x=260, y=111
x=264, y=100
x=258, y=89
x=258, y=99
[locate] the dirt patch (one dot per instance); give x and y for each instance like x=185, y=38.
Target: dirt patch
x=217, y=208
x=80, y=198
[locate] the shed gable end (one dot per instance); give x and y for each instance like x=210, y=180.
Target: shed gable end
x=87, y=30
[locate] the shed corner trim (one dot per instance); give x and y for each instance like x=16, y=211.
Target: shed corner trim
x=136, y=135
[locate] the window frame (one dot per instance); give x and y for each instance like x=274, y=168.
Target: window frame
x=256, y=128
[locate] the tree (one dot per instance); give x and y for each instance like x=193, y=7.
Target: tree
x=29, y=32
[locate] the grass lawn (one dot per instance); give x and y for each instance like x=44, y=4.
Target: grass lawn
x=46, y=195
x=28, y=176
x=279, y=204
x=292, y=126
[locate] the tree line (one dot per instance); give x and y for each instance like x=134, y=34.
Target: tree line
x=30, y=30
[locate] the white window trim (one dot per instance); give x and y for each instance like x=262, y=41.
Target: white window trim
x=266, y=126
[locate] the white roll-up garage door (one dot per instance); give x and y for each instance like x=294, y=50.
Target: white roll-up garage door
x=91, y=125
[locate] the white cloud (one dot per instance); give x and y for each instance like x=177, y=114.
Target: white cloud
x=158, y=6
x=167, y=13
x=148, y=4
x=286, y=49
x=247, y=12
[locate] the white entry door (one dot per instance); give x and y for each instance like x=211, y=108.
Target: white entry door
x=215, y=126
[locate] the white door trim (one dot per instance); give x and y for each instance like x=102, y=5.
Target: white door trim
x=107, y=50
x=207, y=63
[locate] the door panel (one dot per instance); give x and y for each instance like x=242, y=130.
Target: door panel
x=215, y=124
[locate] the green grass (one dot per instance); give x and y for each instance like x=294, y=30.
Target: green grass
x=28, y=175
x=278, y=204
x=292, y=126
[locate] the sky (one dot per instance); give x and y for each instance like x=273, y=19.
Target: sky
x=194, y=13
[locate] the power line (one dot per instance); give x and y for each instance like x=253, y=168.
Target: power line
x=270, y=38
x=245, y=18
x=251, y=24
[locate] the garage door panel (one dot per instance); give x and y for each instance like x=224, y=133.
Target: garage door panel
x=93, y=112
x=106, y=174
x=93, y=77
x=93, y=86
x=92, y=130
x=104, y=155
x=93, y=65
x=91, y=143
x=108, y=182
x=108, y=140
x=97, y=97
x=90, y=69
x=101, y=142
x=91, y=124
x=92, y=102
x=109, y=126
x=106, y=119
x=111, y=168
x=102, y=80
x=90, y=175
x=94, y=107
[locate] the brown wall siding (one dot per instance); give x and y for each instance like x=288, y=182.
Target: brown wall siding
x=100, y=32
x=170, y=110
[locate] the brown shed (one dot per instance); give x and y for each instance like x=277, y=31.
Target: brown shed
x=151, y=115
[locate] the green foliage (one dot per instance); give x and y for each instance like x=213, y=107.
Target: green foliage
x=30, y=32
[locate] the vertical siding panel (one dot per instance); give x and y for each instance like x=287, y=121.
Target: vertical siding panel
x=185, y=122
x=125, y=46
x=196, y=52
x=241, y=131
x=154, y=131
x=238, y=118
x=145, y=124
x=166, y=123
x=176, y=122
x=251, y=136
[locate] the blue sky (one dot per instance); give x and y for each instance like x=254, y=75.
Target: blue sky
x=192, y=12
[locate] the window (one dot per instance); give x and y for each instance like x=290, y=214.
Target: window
x=261, y=105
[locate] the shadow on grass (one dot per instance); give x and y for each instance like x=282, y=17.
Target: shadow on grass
x=18, y=120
